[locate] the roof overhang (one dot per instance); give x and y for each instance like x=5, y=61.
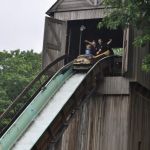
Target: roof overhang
x=57, y=7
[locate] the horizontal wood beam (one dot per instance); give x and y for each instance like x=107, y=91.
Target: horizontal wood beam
x=113, y=86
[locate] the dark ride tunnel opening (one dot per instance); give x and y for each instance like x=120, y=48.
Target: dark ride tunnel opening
x=76, y=37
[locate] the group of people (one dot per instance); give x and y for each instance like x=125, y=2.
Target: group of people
x=93, y=48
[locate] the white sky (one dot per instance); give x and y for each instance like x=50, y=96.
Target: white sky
x=22, y=24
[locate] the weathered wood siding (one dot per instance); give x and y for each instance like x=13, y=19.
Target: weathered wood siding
x=100, y=124
x=81, y=14
x=54, y=44
x=139, y=121
x=136, y=56
x=114, y=85
x=142, y=77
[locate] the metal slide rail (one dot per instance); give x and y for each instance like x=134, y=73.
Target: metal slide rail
x=24, y=120
x=26, y=96
x=81, y=94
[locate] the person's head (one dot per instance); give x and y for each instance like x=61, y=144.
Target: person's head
x=88, y=46
x=100, y=41
x=94, y=43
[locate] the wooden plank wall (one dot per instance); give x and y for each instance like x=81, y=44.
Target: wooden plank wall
x=139, y=121
x=54, y=43
x=100, y=124
x=71, y=4
x=142, y=77
x=81, y=14
x=136, y=55
x=114, y=85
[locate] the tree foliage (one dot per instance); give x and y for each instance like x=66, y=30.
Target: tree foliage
x=17, y=69
x=130, y=12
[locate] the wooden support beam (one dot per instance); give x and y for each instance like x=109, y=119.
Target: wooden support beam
x=142, y=91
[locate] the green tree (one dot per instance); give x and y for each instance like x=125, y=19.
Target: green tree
x=130, y=12
x=17, y=69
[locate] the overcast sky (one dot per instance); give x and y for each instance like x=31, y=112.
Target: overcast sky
x=22, y=24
